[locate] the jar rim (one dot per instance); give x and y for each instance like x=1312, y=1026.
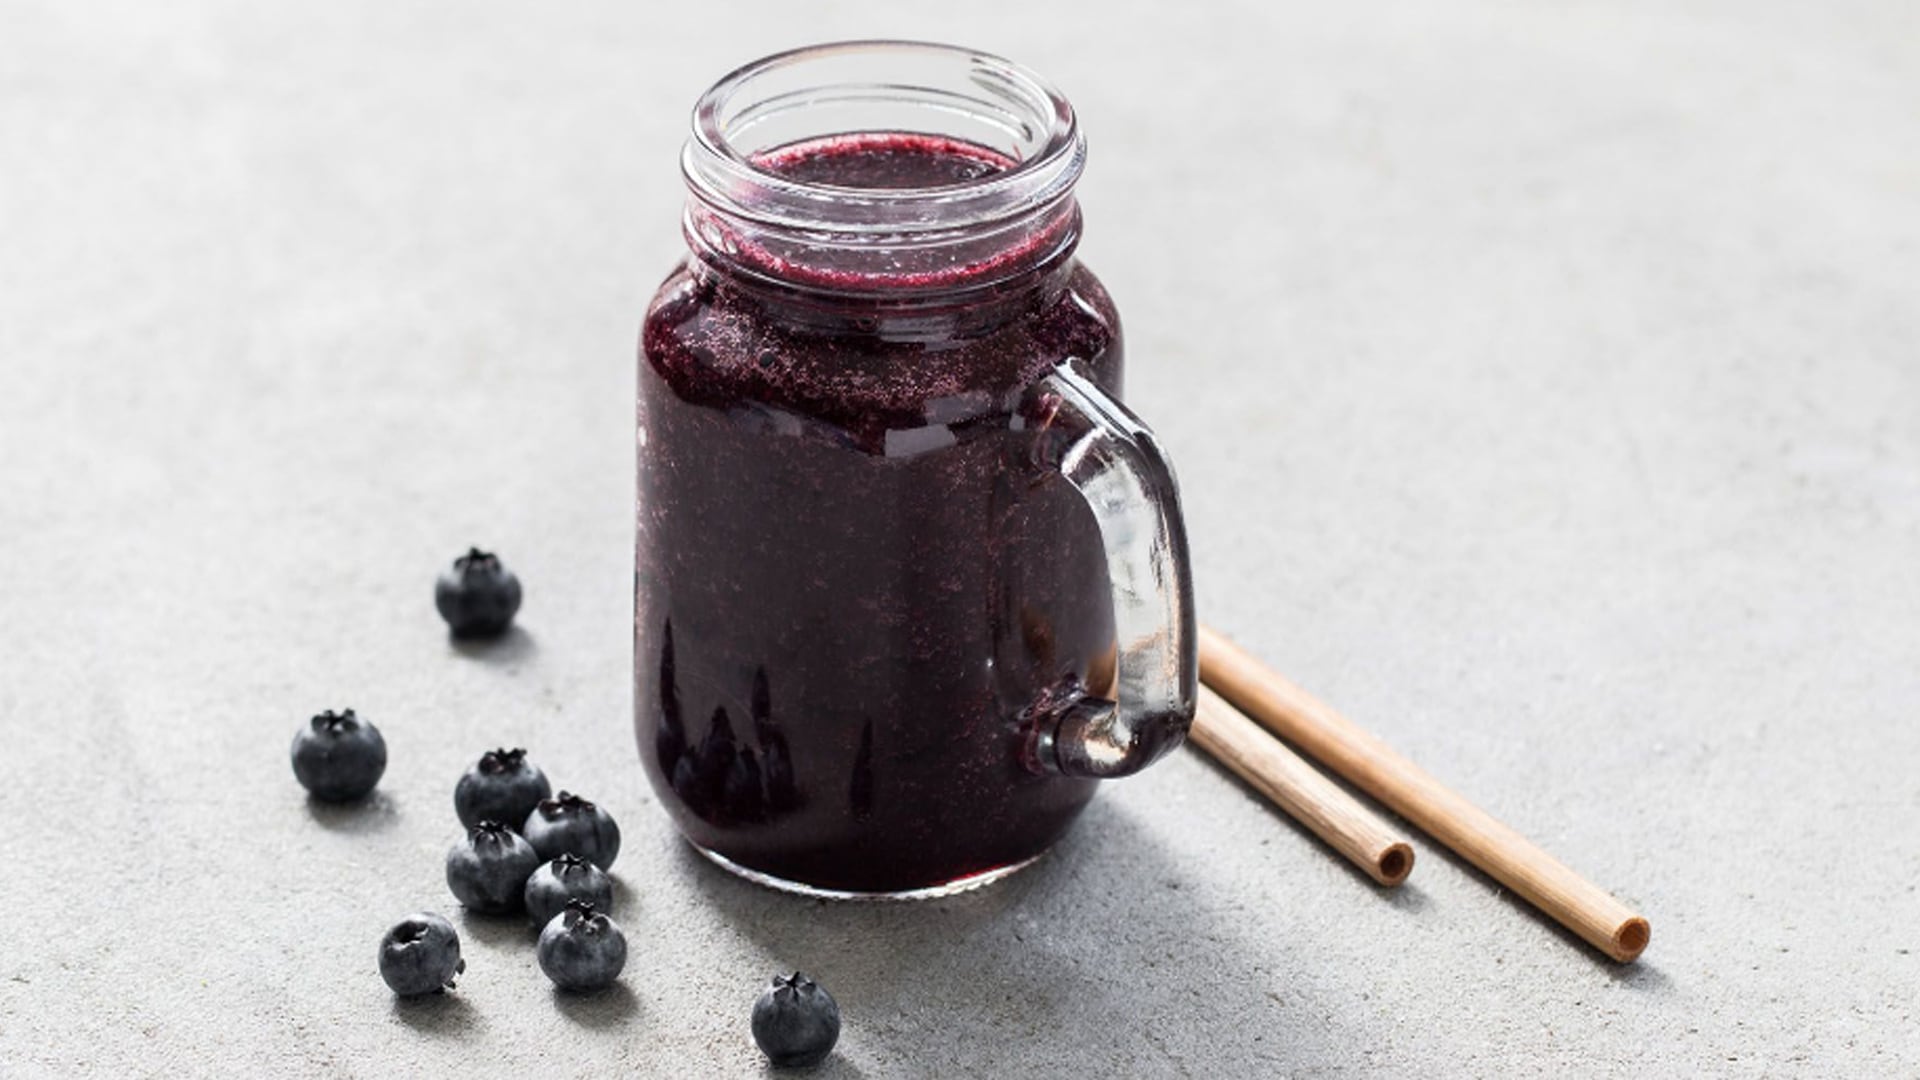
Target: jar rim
x=724, y=174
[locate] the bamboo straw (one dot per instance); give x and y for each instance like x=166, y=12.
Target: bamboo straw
x=1298, y=788
x=1369, y=764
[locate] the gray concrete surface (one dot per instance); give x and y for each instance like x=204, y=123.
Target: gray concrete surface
x=1545, y=384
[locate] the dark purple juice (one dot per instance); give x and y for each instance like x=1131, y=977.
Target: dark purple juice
x=851, y=577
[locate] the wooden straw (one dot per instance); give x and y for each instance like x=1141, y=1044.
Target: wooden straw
x=1369, y=764
x=1298, y=788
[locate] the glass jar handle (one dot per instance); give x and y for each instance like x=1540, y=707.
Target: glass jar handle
x=1113, y=460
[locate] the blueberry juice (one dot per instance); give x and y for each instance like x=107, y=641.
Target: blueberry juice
x=879, y=649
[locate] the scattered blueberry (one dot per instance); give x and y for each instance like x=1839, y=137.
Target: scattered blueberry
x=488, y=868
x=582, y=949
x=478, y=596
x=339, y=756
x=502, y=786
x=795, y=1021
x=567, y=877
x=571, y=823
x=421, y=955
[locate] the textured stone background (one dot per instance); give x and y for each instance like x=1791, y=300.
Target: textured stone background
x=1546, y=389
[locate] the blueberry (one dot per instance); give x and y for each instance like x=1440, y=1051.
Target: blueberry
x=567, y=877
x=795, y=1021
x=571, y=823
x=502, y=786
x=488, y=868
x=421, y=955
x=339, y=756
x=478, y=596
x=582, y=949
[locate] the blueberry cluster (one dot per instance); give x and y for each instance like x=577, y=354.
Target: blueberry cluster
x=551, y=863
x=525, y=849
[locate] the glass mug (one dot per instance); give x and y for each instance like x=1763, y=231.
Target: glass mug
x=909, y=579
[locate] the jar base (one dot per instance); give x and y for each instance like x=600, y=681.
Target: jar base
x=931, y=892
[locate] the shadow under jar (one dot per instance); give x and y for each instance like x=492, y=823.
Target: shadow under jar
x=908, y=578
